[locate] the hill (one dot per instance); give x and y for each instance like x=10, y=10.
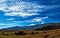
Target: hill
x=47, y=26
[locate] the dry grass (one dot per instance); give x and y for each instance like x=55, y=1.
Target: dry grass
x=36, y=34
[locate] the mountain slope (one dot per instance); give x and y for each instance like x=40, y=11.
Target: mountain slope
x=22, y=28
x=48, y=26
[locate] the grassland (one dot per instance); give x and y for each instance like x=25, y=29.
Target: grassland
x=31, y=34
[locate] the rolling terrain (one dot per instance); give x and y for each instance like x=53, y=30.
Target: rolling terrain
x=50, y=30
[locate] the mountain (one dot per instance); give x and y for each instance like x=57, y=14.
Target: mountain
x=48, y=26
x=22, y=28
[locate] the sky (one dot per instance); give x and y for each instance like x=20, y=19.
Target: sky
x=28, y=12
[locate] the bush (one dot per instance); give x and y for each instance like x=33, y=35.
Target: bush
x=34, y=32
x=5, y=33
x=46, y=36
x=20, y=33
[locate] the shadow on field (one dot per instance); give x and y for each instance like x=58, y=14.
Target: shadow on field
x=19, y=33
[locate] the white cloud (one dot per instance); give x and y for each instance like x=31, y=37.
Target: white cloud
x=2, y=1
x=2, y=6
x=22, y=9
x=42, y=22
x=44, y=17
x=6, y=25
x=14, y=8
x=37, y=19
x=31, y=24
x=22, y=14
x=10, y=19
x=2, y=24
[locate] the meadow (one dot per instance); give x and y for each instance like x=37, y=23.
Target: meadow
x=31, y=34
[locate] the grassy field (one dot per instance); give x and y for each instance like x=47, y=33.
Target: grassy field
x=31, y=34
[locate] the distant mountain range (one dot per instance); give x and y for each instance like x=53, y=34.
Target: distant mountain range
x=22, y=28
x=48, y=26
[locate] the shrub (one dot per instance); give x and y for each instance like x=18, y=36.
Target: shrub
x=20, y=33
x=34, y=32
x=46, y=36
x=4, y=33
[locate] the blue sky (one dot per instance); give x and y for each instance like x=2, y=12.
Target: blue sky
x=28, y=12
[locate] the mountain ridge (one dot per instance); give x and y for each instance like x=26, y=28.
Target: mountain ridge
x=47, y=26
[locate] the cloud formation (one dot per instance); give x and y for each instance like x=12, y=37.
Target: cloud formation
x=5, y=25
x=31, y=24
x=10, y=19
x=27, y=13
x=22, y=9
x=34, y=21
x=37, y=19
x=21, y=14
